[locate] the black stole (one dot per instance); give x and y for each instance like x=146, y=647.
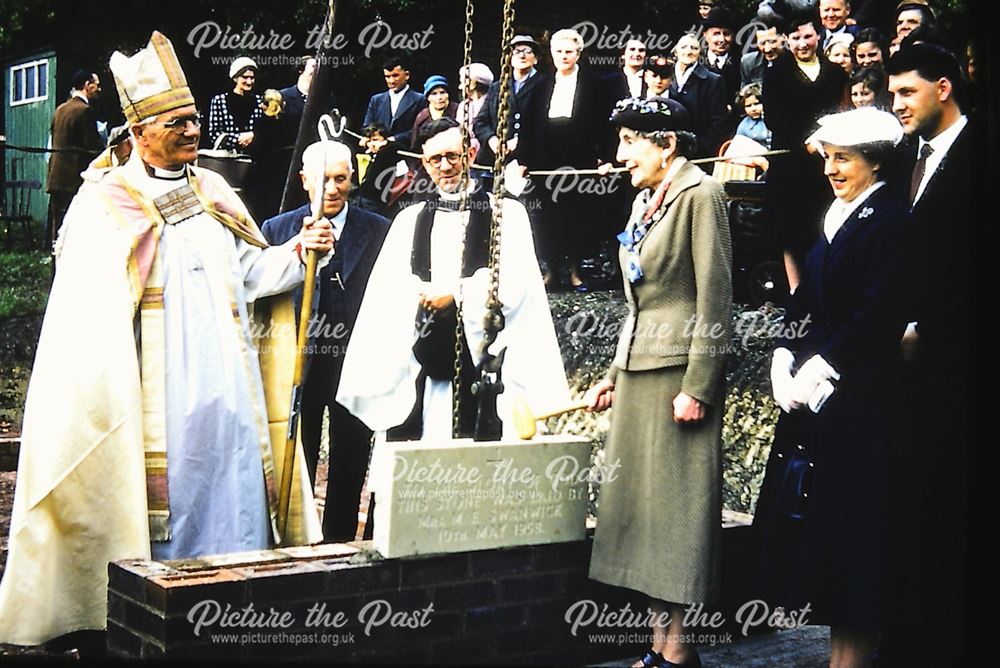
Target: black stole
x=435, y=345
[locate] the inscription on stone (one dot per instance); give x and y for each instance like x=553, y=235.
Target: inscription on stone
x=459, y=495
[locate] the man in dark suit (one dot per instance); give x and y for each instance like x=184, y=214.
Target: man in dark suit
x=834, y=15
x=770, y=44
x=73, y=127
x=703, y=93
x=341, y=286
x=295, y=96
x=721, y=58
x=395, y=109
x=930, y=539
x=524, y=124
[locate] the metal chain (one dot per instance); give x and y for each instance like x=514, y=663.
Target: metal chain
x=506, y=73
x=456, y=386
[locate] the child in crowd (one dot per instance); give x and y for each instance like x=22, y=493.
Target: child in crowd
x=752, y=125
x=868, y=89
x=658, y=75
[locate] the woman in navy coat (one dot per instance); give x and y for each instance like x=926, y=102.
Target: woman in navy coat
x=822, y=508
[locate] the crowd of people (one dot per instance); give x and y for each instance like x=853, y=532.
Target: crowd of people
x=873, y=144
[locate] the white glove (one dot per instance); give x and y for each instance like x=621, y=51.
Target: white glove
x=782, y=382
x=810, y=376
x=513, y=180
x=820, y=395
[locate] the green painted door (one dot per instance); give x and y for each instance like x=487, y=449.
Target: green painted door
x=30, y=100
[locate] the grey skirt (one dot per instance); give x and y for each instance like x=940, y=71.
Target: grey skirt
x=659, y=521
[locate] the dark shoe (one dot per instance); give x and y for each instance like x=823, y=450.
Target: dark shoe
x=693, y=662
x=651, y=659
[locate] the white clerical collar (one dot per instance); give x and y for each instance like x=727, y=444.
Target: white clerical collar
x=841, y=210
x=80, y=96
x=455, y=196
x=160, y=173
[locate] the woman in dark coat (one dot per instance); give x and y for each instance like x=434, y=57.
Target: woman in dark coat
x=821, y=513
x=704, y=94
x=274, y=140
x=798, y=88
x=575, y=134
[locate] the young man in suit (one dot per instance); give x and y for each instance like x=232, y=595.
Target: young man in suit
x=73, y=127
x=396, y=108
x=341, y=286
x=933, y=411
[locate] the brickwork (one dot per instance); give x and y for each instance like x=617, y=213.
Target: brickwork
x=490, y=605
x=500, y=606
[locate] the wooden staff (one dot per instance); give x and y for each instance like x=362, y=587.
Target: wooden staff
x=305, y=314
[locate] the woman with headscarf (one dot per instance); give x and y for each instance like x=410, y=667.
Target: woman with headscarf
x=439, y=105
x=659, y=528
x=235, y=113
x=821, y=513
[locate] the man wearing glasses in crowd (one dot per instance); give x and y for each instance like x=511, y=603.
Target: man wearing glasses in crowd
x=526, y=107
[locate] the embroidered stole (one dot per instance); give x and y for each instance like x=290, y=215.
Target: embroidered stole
x=146, y=219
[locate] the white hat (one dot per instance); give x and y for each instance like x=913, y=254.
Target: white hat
x=478, y=72
x=151, y=81
x=844, y=38
x=866, y=125
x=237, y=66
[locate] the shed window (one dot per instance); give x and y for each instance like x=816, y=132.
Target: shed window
x=29, y=82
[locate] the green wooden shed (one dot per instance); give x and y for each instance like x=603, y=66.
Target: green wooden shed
x=30, y=100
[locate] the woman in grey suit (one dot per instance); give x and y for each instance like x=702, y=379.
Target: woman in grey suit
x=659, y=520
